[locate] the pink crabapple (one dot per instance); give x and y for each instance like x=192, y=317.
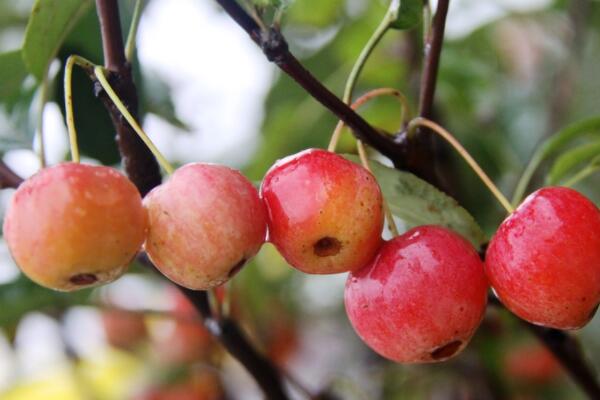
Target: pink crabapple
x=325, y=212
x=205, y=222
x=544, y=260
x=73, y=225
x=421, y=298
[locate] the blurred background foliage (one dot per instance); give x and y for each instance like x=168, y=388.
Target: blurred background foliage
x=512, y=74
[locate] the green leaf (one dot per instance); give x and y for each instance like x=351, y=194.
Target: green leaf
x=12, y=74
x=566, y=162
x=49, y=24
x=406, y=13
x=417, y=202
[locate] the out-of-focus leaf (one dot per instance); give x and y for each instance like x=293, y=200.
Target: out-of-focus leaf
x=12, y=74
x=419, y=203
x=22, y=296
x=314, y=12
x=18, y=121
x=566, y=162
x=407, y=13
x=49, y=24
x=156, y=99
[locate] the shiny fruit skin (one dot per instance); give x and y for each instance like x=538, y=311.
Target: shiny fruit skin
x=325, y=212
x=422, y=297
x=72, y=226
x=205, y=222
x=544, y=260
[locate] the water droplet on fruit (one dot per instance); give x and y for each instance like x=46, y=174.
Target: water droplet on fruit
x=327, y=246
x=83, y=279
x=446, y=350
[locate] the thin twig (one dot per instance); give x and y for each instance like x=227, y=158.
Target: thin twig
x=8, y=178
x=135, y=155
x=139, y=163
x=276, y=50
x=433, y=51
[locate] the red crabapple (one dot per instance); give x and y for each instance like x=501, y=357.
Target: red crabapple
x=123, y=329
x=544, y=260
x=421, y=298
x=325, y=212
x=532, y=363
x=205, y=222
x=73, y=225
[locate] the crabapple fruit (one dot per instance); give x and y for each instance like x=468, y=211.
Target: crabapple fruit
x=205, y=222
x=325, y=212
x=544, y=260
x=532, y=363
x=123, y=329
x=73, y=225
x=422, y=297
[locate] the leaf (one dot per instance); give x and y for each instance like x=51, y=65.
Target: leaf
x=156, y=99
x=49, y=24
x=406, y=13
x=417, y=202
x=570, y=159
x=12, y=74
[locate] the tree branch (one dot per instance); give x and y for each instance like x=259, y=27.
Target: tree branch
x=139, y=163
x=276, y=50
x=142, y=169
x=237, y=344
x=433, y=50
x=8, y=178
x=567, y=350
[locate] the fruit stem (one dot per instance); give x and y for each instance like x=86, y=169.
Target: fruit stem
x=99, y=72
x=87, y=65
x=358, y=66
x=584, y=173
x=362, y=100
x=135, y=20
x=420, y=121
x=40, y=120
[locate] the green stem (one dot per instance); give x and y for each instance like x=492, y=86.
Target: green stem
x=535, y=161
x=446, y=135
x=581, y=175
x=87, y=65
x=375, y=38
x=130, y=45
x=99, y=72
x=40, y=121
x=551, y=146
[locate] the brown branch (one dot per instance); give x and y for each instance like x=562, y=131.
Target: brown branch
x=567, y=350
x=139, y=163
x=276, y=50
x=433, y=51
x=8, y=178
x=142, y=169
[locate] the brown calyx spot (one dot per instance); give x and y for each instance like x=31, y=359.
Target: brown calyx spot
x=236, y=268
x=446, y=350
x=83, y=279
x=327, y=246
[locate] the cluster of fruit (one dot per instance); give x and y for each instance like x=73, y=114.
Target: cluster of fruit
x=416, y=298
